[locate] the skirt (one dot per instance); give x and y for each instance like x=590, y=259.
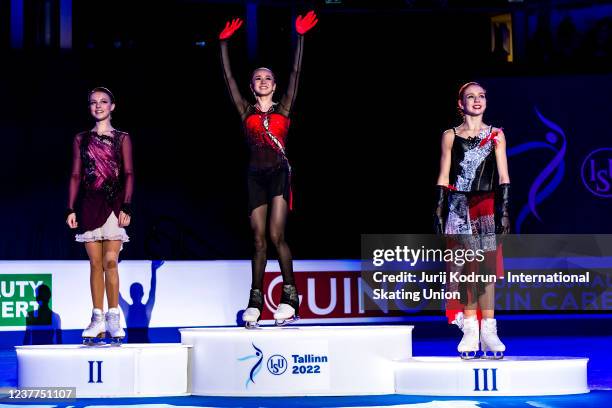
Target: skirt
x=265, y=184
x=471, y=225
x=110, y=231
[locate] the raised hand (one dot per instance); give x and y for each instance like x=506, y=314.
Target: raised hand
x=305, y=23
x=230, y=28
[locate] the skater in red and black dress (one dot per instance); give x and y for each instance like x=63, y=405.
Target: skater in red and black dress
x=266, y=124
x=102, y=171
x=473, y=192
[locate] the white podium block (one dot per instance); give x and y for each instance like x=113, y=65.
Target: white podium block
x=296, y=360
x=106, y=371
x=514, y=376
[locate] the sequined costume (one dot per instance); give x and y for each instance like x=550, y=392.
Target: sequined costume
x=102, y=170
x=471, y=211
x=269, y=172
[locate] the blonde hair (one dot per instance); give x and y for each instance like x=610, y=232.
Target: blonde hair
x=465, y=86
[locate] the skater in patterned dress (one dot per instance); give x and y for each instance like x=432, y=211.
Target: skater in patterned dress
x=472, y=205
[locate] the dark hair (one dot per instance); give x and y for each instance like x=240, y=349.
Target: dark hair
x=465, y=86
x=104, y=90
x=266, y=69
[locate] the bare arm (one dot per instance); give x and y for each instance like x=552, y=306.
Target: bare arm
x=445, y=158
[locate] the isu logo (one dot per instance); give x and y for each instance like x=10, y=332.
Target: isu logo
x=597, y=172
x=277, y=364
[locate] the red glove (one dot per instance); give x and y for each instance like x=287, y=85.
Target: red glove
x=304, y=24
x=230, y=28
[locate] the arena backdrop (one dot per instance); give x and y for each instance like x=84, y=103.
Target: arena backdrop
x=364, y=141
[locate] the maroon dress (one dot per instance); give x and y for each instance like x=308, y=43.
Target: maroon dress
x=102, y=166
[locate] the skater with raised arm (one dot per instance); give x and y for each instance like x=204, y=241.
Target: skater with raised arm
x=266, y=124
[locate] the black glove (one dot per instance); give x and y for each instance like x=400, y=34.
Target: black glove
x=440, y=210
x=502, y=212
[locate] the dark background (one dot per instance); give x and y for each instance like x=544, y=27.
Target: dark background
x=378, y=88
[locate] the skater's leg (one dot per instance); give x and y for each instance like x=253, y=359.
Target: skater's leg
x=253, y=311
x=97, y=326
x=471, y=308
x=492, y=346
x=96, y=275
x=111, y=251
x=486, y=302
x=468, y=347
x=288, y=308
x=278, y=220
x=258, y=263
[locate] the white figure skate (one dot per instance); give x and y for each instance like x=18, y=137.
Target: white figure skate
x=113, y=326
x=468, y=347
x=95, y=332
x=253, y=311
x=489, y=341
x=287, y=309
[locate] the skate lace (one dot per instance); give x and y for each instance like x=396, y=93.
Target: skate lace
x=491, y=327
x=94, y=321
x=112, y=318
x=469, y=327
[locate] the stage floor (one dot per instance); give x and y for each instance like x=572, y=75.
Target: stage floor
x=596, y=348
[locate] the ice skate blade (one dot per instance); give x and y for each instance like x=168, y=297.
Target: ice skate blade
x=91, y=342
x=285, y=322
x=497, y=355
x=116, y=341
x=95, y=341
x=251, y=325
x=468, y=355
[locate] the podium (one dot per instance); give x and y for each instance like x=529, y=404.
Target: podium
x=297, y=360
x=291, y=361
x=129, y=370
x=511, y=376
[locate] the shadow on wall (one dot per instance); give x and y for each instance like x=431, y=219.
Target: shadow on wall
x=43, y=325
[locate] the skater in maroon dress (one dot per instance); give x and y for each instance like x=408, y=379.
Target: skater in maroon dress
x=266, y=124
x=102, y=172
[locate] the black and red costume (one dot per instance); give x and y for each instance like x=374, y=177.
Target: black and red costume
x=269, y=173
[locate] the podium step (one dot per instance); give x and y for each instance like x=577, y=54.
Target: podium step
x=129, y=370
x=511, y=376
x=296, y=360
